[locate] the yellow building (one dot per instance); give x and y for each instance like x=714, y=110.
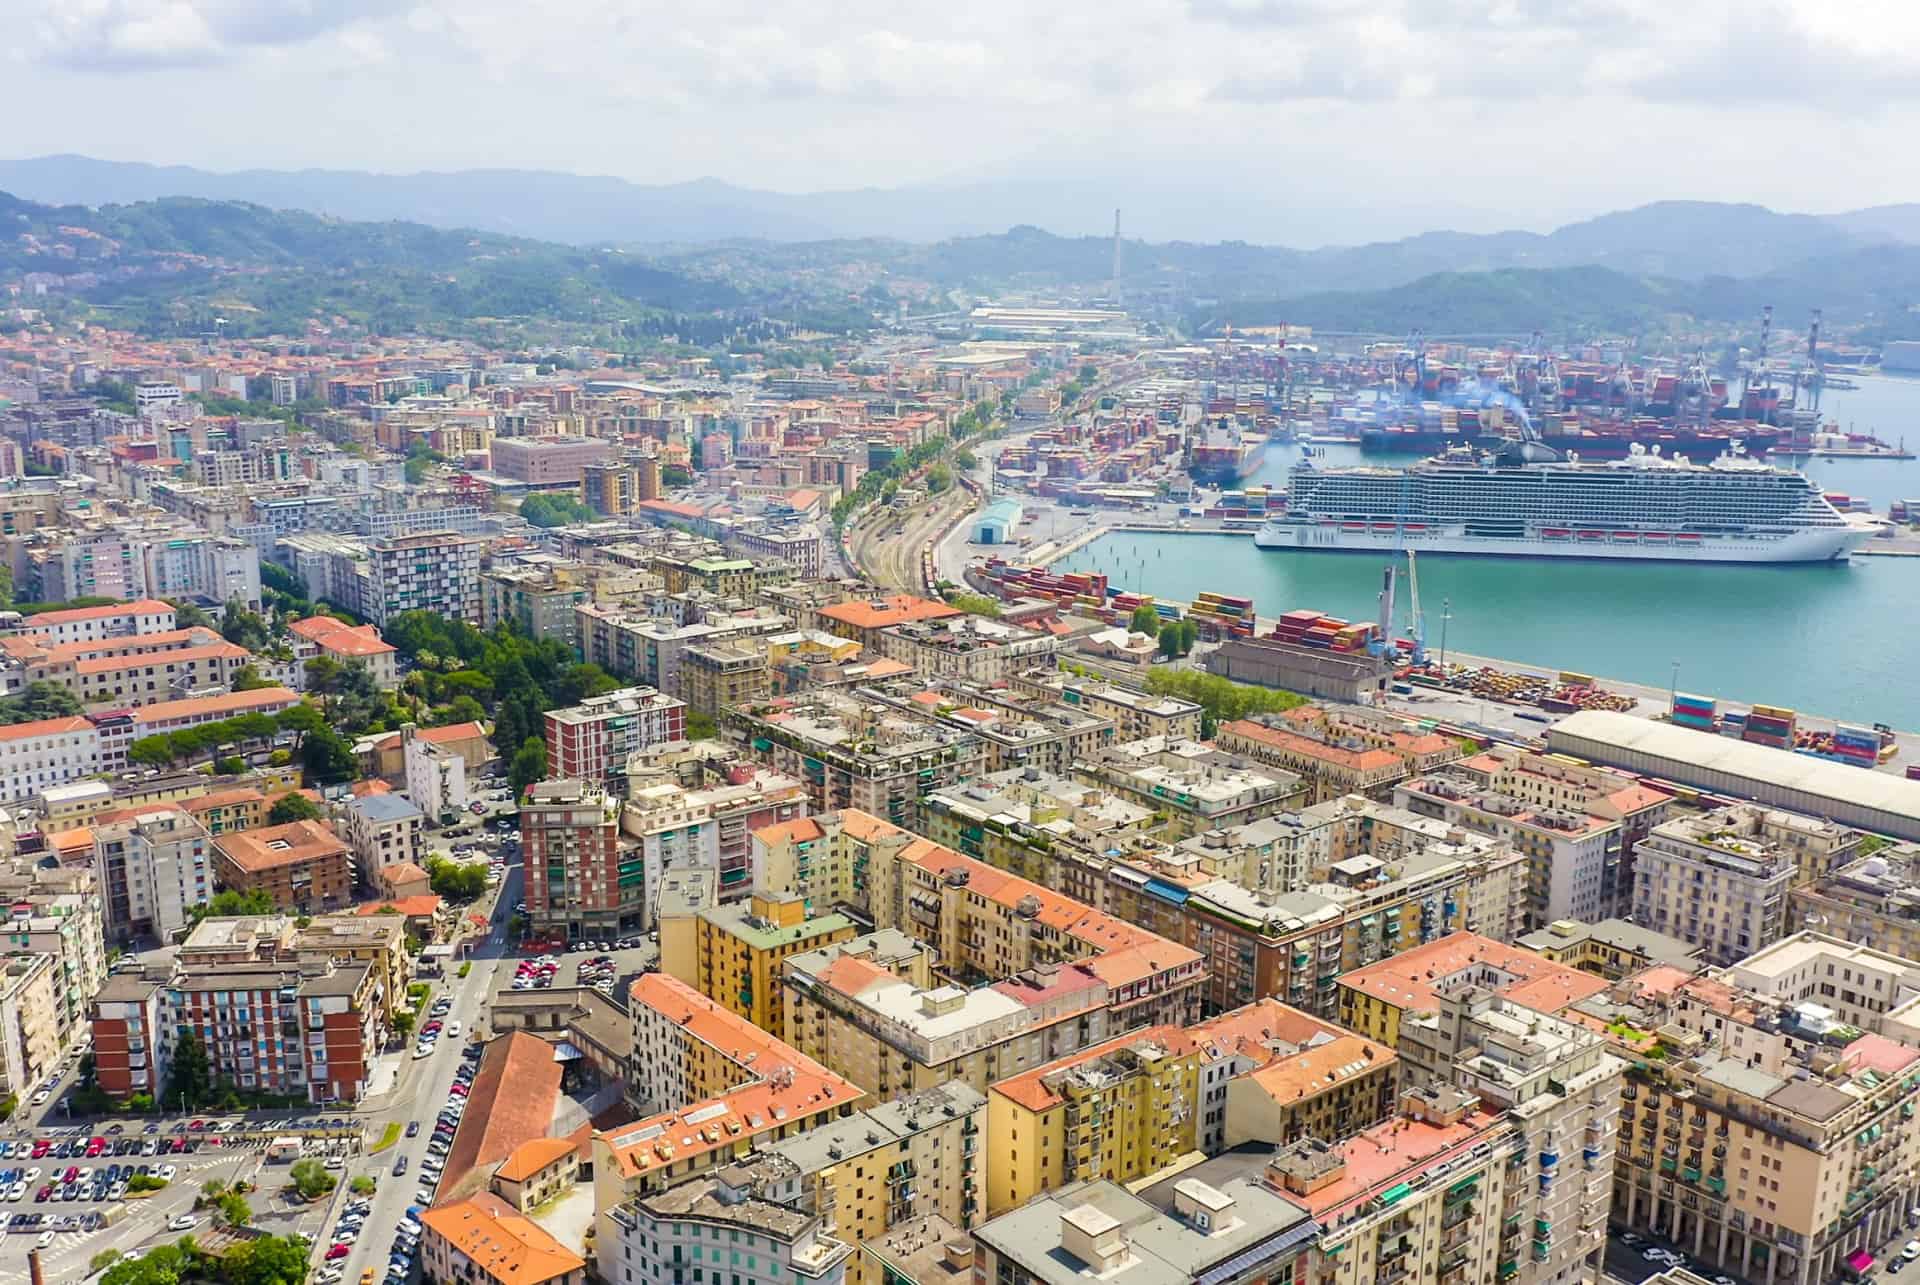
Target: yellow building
x=379, y=941
x=738, y=950
x=1120, y=1110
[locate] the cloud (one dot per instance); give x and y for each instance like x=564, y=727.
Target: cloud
x=120, y=35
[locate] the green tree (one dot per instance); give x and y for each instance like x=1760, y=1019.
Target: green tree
x=403, y=1024
x=461, y=709
x=327, y=759
x=232, y=765
x=191, y=1081
x=1145, y=620
x=40, y=699
x=266, y=1260
x=1189, y=635
x=362, y=1185
x=547, y=510
x=161, y=1265
x=1169, y=641
x=232, y=1210
x=103, y=1260
x=310, y=1178
x=1088, y=373
x=529, y=765
x=249, y=679
x=975, y=604
x=302, y=720
x=151, y=751
x=293, y=806
x=227, y=902
x=701, y=727
x=245, y=628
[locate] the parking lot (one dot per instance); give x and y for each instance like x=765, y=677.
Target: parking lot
x=68, y=1191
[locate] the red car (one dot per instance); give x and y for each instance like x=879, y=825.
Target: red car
x=198, y=1124
x=336, y=1252
x=72, y=1174
x=95, y=1147
x=41, y=1148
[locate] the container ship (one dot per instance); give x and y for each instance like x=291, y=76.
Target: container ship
x=1220, y=456
x=1646, y=507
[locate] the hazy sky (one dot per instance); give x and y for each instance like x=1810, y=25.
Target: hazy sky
x=1338, y=119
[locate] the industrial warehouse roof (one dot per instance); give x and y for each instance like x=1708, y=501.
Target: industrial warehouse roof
x=1707, y=752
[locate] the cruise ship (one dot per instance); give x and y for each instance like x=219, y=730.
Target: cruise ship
x=1647, y=506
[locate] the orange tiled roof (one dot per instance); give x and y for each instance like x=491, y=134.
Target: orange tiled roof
x=255, y=850
x=44, y=727
x=1373, y=760
x=418, y=906
x=878, y=613
x=529, y=1158
x=1394, y=1151
x=504, y=1244
x=1407, y=980
x=142, y=607
x=1027, y=1090
x=111, y=664
x=225, y=705
x=1322, y=1068
x=511, y=1103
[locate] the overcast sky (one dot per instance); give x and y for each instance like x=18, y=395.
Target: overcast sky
x=1351, y=118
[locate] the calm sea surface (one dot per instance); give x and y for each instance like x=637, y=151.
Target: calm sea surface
x=1842, y=641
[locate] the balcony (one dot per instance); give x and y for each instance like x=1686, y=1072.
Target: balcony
x=1392, y=1276
x=1455, y=1215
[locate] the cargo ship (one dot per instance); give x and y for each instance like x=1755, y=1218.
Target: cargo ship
x=1221, y=456
x=1515, y=503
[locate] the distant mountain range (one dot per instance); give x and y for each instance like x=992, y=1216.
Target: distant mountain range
x=169, y=264
x=1682, y=239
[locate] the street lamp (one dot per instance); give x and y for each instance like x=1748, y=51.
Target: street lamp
x=1446, y=614
x=1673, y=688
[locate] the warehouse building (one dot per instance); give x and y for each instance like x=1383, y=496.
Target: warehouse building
x=1867, y=800
x=995, y=526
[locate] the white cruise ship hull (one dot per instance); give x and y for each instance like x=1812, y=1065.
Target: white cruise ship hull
x=1812, y=544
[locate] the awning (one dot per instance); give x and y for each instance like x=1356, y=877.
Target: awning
x=1860, y=1260
x=567, y=1051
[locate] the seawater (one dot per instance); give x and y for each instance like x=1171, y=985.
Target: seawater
x=1840, y=641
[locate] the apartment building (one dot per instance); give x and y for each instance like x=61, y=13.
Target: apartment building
x=1333, y=1085
x=302, y=865
x=658, y=1235
x=122, y=681
x=1379, y=1000
x=591, y=741
x=537, y=602
x=717, y=677
x=879, y=1169
x=986, y=924
x=383, y=830
x=652, y=650
x=377, y=940
x=728, y=1086
x=305, y=1030
x=871, y=1009
x=863, y=620
x=975, y=648
x=1337, y=751
x=1136, y=715
x=1766, y=1124
x=612, y=489
x=211, y=569
x=711, y=826
x=1183, y=1230
x=345, y=644
x=1420, y=1197
x=1016, y=733
x=39, y=755
x=101, y=563
x=57, y=912
x=1028, y=821
x=435, y=571
x=152, y=868
x=113, y=620
x=582, y=882
x=738, y=950
x=1197, y=786
x=859, y=754
x=30, y=1022
x=1118, y=1111
x=1874, y=900
x=1579, y=825
x=435, y=776
x=1718, y=880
